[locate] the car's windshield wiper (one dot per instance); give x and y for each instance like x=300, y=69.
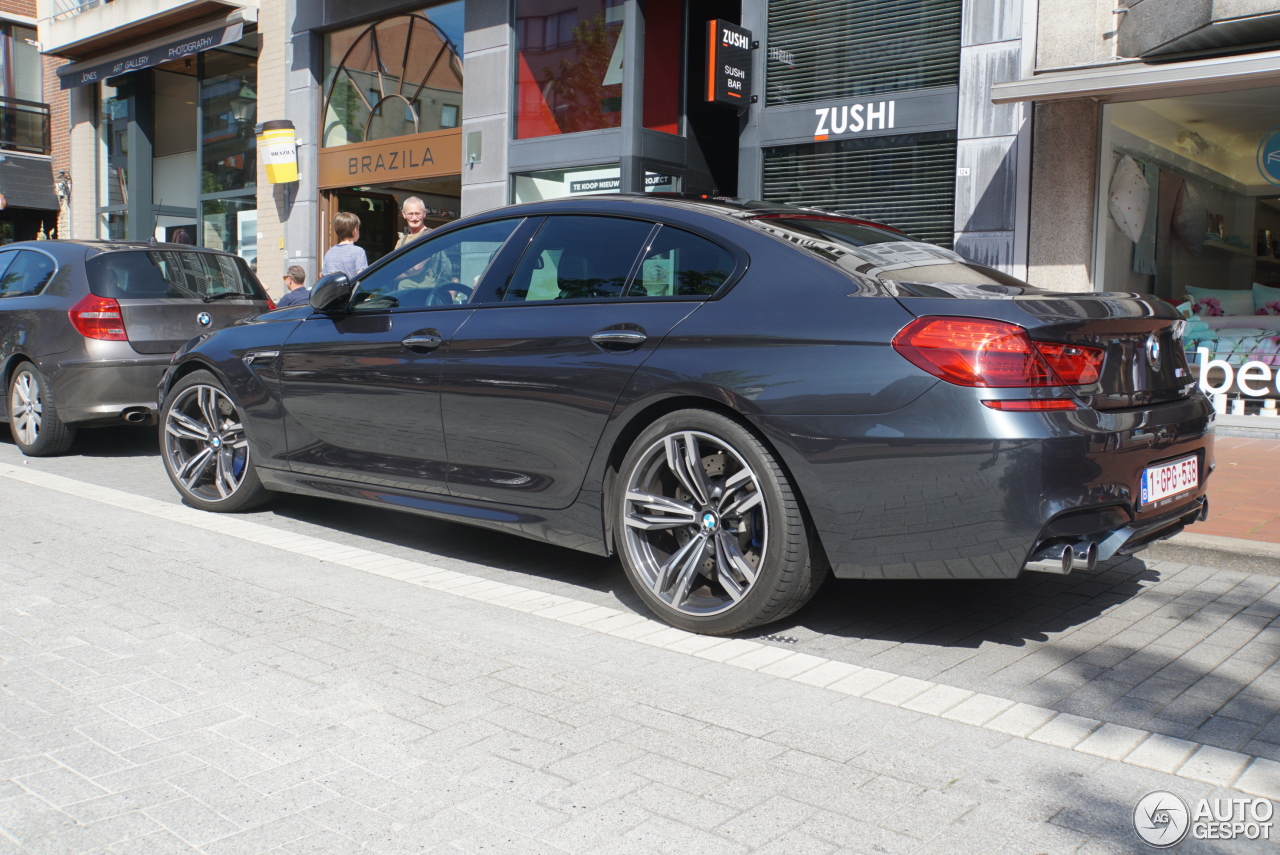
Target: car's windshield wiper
x=211, y=297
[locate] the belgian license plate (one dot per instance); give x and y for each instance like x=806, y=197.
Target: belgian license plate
x=1170, y=479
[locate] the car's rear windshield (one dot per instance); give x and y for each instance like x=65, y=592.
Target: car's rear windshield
x=175, y=273
x=880, y=253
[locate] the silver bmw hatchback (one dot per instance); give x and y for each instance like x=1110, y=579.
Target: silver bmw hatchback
x=87, y=328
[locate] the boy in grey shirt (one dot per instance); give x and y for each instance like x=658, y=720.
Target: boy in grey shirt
x=345, y=256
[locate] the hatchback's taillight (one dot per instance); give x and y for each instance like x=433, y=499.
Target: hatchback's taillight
x=994, y=354
x=98, y=317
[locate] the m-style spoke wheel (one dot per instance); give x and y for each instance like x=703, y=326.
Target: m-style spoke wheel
x=206, y=451
x=708, y=528
x=33, y=420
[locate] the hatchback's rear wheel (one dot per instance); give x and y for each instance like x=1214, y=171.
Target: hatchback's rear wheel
x=709, y=528
x=33, y=419
x=205, y=450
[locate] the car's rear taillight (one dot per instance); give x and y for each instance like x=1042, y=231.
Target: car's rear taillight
x=271, y=304
x=994, y=354
x=98, y=317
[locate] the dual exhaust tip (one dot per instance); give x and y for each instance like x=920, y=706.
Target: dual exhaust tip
x=1061, y=558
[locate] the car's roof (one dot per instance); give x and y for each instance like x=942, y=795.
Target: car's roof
x=722, y=206
x=111, y=245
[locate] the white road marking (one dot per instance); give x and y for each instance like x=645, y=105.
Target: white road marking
x=1256, y=776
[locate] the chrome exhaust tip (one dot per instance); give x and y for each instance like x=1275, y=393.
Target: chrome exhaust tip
x=1204, y=509
x=136, y=415
x=1084, y=555
x=1056, y=558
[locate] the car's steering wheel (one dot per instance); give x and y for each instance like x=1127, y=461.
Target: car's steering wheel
x=450, y=294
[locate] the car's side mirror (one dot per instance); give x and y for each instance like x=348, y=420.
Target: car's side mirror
x=331, y=293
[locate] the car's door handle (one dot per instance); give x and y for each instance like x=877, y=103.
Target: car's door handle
x=422, y=341
x=619, y=339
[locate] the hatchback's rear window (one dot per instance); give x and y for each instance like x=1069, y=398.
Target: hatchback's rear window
x=154, y=273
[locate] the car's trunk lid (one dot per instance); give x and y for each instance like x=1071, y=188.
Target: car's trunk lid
x=169, y=295
x=1140, y=334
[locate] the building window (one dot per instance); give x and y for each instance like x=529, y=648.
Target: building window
x=1196, y=214
x=189, y=124
x=903, y=181
x=568, y=66
x=24, y=119
x=825, y=49
x=396, y=77
x=584, y=181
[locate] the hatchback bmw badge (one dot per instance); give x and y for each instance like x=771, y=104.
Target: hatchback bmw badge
x=1153, y=351
x=204, y=319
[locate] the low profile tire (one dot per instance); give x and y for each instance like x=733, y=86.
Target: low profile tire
x=708, y=526
x=33, y=419
x=205, y=450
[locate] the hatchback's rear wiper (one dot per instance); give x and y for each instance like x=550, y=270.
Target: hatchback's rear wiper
x=211, y=297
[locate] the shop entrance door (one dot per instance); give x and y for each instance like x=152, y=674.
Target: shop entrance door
x=377, y=213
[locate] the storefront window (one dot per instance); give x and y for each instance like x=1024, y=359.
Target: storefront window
x=394, y=78
x=584, y=181
x=189, y=124
x=229, y=104
x=113, y=128
x=231, y=225
x=1192, y=212
x=568, y=66
x=825, y=49
x=907, y=181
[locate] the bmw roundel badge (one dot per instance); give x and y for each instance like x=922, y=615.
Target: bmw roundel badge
x=204, y=319
x=1153, y=350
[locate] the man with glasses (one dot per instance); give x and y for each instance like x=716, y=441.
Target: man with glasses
x=414, y=212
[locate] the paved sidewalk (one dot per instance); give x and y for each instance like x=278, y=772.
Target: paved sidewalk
x=168, y=688
x=1244, y=492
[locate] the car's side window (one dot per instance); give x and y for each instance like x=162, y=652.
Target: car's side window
x=439, y=271
x=681, y=264
x=6, y=259
x=578, y=257
x=27, y=274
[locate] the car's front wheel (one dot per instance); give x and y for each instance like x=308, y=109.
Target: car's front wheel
x=205, y=449
x=709, y=528
x=33, y=419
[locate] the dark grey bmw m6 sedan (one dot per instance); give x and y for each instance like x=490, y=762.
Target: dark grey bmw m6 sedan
x=734, y=397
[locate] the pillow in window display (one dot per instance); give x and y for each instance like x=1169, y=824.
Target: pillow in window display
x=1212, y=303
x=1130, y=195
x=1270, y=323
x=1189, y=218
x=1266, y=300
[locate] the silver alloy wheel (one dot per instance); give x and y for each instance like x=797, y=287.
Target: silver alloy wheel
x=695, y=522
x=205, y=444
x=25, y=407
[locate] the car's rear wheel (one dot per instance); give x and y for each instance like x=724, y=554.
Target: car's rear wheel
x=709, y=528
x=33, y=418
x=205, y=449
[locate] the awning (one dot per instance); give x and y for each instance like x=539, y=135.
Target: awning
x=27, y=182
x=174, y=47
x=1137, y=80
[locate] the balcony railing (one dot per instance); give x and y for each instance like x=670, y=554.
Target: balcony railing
x=63, y=9
x=24, y=126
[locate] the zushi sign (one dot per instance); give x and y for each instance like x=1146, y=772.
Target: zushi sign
x=728, y=64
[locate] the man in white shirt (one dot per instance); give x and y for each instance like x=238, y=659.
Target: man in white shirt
x=414, y=212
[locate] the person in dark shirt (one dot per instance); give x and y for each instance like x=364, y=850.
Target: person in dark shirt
x=296, y=281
